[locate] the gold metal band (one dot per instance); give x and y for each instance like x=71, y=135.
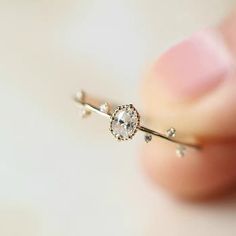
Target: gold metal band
x=125, y=122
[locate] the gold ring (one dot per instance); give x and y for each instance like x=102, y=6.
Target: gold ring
x=125, y=122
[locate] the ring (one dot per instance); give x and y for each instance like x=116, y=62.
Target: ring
x=125, y=122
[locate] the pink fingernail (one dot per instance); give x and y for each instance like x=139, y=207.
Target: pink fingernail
x=194, y=66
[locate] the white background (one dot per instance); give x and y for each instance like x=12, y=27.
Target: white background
x=63, y=176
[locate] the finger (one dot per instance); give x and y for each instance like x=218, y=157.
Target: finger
x=192, y=88
x=198, y=176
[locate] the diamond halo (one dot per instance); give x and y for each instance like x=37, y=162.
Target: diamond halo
x=125, y=121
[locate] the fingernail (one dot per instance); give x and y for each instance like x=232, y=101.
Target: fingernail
x=194, y=66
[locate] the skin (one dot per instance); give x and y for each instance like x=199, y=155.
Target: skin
x=203, y=108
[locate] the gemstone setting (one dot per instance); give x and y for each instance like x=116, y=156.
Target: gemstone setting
x=124, y=122
x=148, y=137
x=104, y=107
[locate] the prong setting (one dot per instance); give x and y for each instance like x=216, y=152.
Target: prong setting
x=104, y=108
x=171, y=133
x=80, y=96
x=85, y=113
x=180, y=151
x=148, y=137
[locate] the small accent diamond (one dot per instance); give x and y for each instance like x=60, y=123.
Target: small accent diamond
x=170, y=133
x=104, y=108
x=148, y=138
x=180, y=151
x=85, y=113
x=79, y=96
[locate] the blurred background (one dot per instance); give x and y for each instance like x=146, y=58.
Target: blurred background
x=60, y=175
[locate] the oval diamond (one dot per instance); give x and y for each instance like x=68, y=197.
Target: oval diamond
x=124, y=122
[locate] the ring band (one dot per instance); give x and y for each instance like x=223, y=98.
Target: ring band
x=125, y=122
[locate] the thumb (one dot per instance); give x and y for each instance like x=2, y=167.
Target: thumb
x=192, y=87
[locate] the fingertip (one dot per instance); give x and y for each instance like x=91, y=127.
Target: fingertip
x=200, y=175
x=192, y=88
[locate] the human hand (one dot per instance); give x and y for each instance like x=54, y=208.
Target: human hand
x=193, y=85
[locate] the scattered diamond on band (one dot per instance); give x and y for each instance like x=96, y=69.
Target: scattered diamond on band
x=125, y=122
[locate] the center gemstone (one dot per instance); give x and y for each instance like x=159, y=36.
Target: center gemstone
x=124, y=122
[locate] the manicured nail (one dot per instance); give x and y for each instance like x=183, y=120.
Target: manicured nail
x=194, y=66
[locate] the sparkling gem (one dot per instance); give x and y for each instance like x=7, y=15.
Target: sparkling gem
x=180, y=151
x=124, y=122
x=104, y=108
x=170, y=133
x=148, y=138
x=79, y=96
x=85, y=113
